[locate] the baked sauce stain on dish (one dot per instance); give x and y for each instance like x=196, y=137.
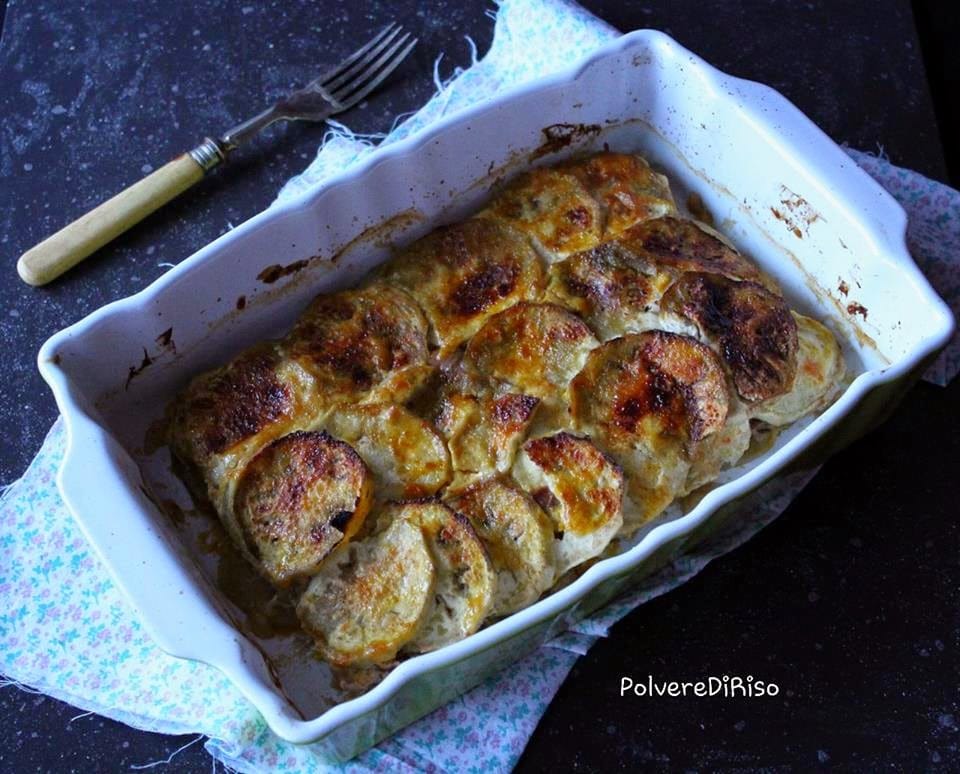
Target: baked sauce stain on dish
x=275, y=271
x=559, y=136
x=794, y=229
x=135, y=371
x=797, y=214
x=267, y=612
x=855, y=307
x=165, y=341
x=380, y=234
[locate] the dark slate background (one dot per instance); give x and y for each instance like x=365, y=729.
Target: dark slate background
x=849, y=601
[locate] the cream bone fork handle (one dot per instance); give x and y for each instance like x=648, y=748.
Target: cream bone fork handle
x=337, y=90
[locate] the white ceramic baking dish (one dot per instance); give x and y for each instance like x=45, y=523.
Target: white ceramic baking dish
x=773, y=182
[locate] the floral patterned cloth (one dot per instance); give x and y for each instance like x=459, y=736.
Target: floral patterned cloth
x=65, y=629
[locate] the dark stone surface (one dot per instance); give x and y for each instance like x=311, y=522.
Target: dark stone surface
x=849, y=601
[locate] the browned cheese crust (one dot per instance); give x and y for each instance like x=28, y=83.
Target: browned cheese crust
x=579, y=487
x=224, y=407
x=463, y=274
x=362, y=345
x=752, y=328
x=650, y=399
x=577, y=205
x=298, y=499
x=627, y=190
x=613, y=288
x=536, y=348
x=683, y=246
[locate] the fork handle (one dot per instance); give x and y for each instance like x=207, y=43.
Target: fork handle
x=65, y=249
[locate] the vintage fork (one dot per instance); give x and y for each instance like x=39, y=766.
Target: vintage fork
x=333, y=92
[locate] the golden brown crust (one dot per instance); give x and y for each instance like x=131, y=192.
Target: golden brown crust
x=465, y=273
x=368, y=344
x=752, y=328
x=649, y=399
x=579, y=487
x=626, y=188
x=405, y=453
x=371, y=597
x=518, y=537
x=681, y=245
x=613, y=288
x=553, y=207
x=653, y=382
x=483, y=432
x=536, y=348
x=297, y=499
x=577, y=205
x=225, y=407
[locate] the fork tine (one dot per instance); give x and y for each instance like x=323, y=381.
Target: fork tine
x=349, y=98
x=362, y=64
x=338, y=70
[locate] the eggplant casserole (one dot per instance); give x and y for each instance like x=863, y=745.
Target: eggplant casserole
x=487, y=411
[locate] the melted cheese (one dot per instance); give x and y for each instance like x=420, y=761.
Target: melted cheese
x=548, y=374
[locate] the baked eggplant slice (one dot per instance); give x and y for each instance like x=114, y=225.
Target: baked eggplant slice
x=612, y=288
x=297, y=500
x=553, y=208
x=367, y=345
x=820, y=369
x=465, y=273
x=407, y=456
x=649, y=399
x=579, y=487
x=536, y=348
x=753, y=330
x=518, y=536
x=483, y=432
x=371, y=597
x=465, y=580
x=681, y=246
x=225, y=415
x=626, y=189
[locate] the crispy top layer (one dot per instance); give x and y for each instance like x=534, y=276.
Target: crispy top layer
x=611, y=286
x=583, y=487
x=752, y=327
x=578, y=204
x=245, y=403
x=537, y=348
x=552, y=206
x=372, y=598
x=298, y=498
x=465, y=273
x=367, y=344
x=651, y=384
x=683, y=246
x=626, y=188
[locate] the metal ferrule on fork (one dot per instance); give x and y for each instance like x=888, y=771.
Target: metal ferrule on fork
x=208, y=154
